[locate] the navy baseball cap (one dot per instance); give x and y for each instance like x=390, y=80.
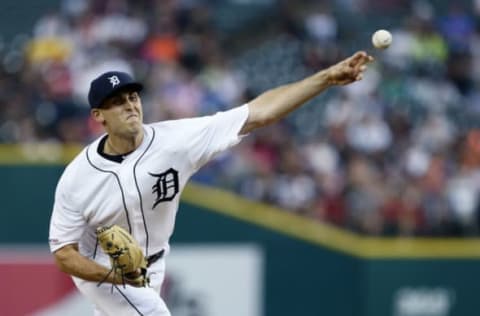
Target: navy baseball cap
x=107, y=84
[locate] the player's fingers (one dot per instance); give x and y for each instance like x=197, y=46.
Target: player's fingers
x=360, y=58
x=359, y=69
x=357, y=58
x=366, y=59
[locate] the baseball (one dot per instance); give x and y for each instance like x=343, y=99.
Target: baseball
x=381, y=39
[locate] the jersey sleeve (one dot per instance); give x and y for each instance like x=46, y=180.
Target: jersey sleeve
x=213, y=134
x=67, y=223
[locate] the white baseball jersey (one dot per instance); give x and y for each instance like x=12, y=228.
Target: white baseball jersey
x=142, y=192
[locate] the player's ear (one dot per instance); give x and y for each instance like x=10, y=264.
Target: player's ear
x=98, y=116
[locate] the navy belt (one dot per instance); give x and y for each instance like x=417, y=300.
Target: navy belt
x=153, y=258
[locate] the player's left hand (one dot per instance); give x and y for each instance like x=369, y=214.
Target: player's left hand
x=128, y=263
x=137, y=278
x=349, y=70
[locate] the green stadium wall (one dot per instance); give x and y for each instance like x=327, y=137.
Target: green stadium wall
x=311, y=269
x=19, y=17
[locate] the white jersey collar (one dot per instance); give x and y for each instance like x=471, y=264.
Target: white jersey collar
x=102, y=163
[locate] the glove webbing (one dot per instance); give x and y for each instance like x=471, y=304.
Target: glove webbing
x=114, y=269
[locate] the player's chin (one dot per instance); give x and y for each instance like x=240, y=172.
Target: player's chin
x=133, y=126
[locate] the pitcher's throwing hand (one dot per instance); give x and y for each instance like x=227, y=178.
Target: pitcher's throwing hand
x=350, y=69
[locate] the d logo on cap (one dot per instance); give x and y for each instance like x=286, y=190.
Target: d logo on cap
x=114, y=80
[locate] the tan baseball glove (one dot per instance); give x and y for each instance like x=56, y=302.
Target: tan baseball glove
x=126, y=257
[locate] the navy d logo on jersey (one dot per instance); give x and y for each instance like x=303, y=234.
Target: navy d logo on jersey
x=166, y=187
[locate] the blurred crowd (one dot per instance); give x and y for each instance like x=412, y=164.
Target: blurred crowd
x=395, y=154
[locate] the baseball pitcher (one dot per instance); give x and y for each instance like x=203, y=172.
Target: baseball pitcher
x=116, y=202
